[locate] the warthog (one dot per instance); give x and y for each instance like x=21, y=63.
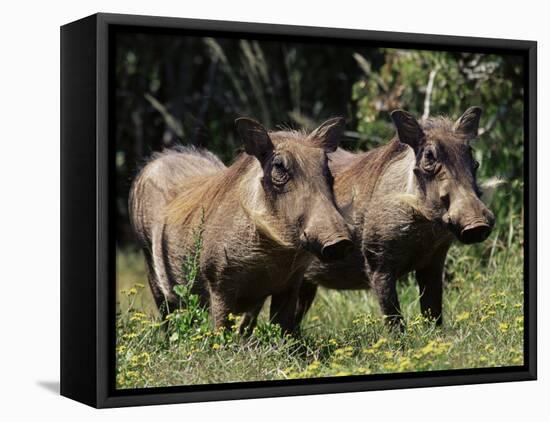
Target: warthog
x=263, y=219
x=408, y=201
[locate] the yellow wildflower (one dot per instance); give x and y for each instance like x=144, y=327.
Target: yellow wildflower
x=342, y=374
x=404, y=364
x=519, y=320
x=314, y=365
x=145, y=358
x=381, y=341
x=129, y=336
x=463, y=316
x=518, y=360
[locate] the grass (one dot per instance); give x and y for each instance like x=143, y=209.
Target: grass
x=343, y=334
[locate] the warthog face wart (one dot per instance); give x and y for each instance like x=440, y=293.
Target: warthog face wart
x=445, y=170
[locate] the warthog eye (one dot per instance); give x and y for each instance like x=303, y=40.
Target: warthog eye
x=279, y=172
x=429, y=156
x=429, y=160
x=476, y=164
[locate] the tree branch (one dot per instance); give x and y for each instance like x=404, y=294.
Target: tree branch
x=429, y=89
x=171, y=121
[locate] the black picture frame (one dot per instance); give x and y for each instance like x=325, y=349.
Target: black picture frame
x=87, y=239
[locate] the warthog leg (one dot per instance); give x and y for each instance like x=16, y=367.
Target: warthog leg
x=305, y=300
x=283, y=309
x=220, y=309
x=249, y=319
x=384, y=284
x=430, y=285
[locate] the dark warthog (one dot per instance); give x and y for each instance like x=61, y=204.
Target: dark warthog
x=408, y=200
x=261, y=217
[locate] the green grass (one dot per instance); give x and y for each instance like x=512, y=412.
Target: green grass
x=343, y=334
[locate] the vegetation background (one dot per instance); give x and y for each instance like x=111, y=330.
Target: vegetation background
x=172, y=89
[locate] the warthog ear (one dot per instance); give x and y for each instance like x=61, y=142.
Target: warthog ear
x=408, y=129
x=468, y=124
x=328, y=135
x=255, y=138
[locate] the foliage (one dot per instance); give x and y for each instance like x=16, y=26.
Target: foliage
x=344, y=334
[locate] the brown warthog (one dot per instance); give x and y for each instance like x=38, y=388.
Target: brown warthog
x=262, y=218
x=408, y=200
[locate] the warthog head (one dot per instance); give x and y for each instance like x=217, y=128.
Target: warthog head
x=296, y=190
x=446, y=171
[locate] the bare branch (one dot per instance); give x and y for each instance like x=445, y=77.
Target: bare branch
x=429, y=90
x=171, y=121
x=487, y=128
x=365, y=66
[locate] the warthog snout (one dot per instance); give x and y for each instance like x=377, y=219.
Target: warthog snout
x=335, y=250
x=479, y=229
x=469, y=218
x=475, y=233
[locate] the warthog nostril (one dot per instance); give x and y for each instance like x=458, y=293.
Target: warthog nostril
x=475, y=233
x=336, y=250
